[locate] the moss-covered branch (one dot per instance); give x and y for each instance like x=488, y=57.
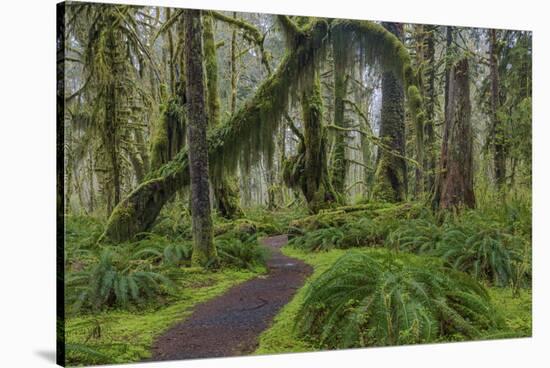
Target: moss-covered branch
x=246, y=136
x=249, y=132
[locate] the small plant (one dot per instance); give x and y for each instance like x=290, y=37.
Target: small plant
x=379, y=299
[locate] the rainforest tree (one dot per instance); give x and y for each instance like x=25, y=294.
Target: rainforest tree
x=203, y=246
x=455, y=187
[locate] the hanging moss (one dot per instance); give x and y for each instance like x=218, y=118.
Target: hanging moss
x=248, y=134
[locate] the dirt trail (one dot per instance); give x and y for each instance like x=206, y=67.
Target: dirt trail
x=230, y=324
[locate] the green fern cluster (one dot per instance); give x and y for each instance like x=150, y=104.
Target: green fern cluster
x=119, y=278
x=484, y=251
x=362, y=232
x=479, y=244
x=380, y=299
x=234, y=252
x=415, y=236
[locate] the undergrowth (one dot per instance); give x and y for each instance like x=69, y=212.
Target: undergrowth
x=515, y=312
x=380, y=299
x=491, y=244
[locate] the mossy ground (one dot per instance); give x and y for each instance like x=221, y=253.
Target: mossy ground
x=281, y=337
x=122, y=336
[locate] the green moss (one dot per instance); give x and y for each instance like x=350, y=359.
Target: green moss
x=248, y=134
x=124, y=337
x=168, y=136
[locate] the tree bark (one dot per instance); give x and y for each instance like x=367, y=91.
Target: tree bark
x=391, y=172
x=234, y=68
x=455, y=183
x=429, y=104
x=497, y=131
x=318, y=190
x=339, y=162
x=204, y=250
x=226, y=194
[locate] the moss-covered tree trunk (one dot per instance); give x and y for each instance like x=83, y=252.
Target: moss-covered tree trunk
x=111, y=120
x=391, y=171
x=169, y=132
x=455, y=184
x=226, y=192
x=339, y=161
x=420, y=61
x=316, y=184
x=430, y=97
x=204, y=250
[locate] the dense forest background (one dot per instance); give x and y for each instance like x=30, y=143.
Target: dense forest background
x=116, y=138
x=342, y=133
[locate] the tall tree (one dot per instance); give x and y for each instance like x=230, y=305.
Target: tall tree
x=204, y=250
x=455, y=184
x=430, y=100
x=340, y=83
x=391, y=172
x=226, y=194
x=497, y=129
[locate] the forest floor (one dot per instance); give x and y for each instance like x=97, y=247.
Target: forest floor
x=230, y=324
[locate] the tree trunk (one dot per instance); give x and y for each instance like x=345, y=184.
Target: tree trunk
x=204, y=250
x=316, y=184
x=391, y=172
x=498, y=134
x=226, y=194
x=111, y=120
x=339, y=161
x=419, y=36
x=455, y=182
x=429, y=104
x=234, y=68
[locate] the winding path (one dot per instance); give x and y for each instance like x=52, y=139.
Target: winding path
x=230, y=324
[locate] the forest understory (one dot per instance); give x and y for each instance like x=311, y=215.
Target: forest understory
x=395, y=157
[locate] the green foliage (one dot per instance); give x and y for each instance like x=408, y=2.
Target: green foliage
x=117, y=279
x=362, y=232
x=416, y=235
x=379, y=299
x=483, y=249
x=491, y=244
x=122, y=336
x=245, y=254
